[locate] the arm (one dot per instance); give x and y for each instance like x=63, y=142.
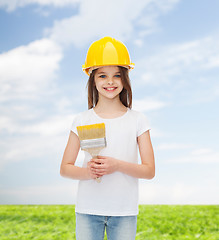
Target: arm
x=144, y=170
x=68, y=168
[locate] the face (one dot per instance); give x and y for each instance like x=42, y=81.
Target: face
x=108, y=82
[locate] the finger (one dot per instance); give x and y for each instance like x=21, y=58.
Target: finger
x=101, y=157
x=92, y=160
x=98, y=166
x=98, y=161
x=93, y=170
x=94, y=175
x=95, y=160
x=95, y=165
x=96, y=170
x=92, y=165
x=100, y=171
x=99, y=174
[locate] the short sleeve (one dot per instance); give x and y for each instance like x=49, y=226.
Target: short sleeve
x=142, y=124
x=74, y=124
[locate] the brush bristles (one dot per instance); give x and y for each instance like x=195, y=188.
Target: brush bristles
x=93, y=131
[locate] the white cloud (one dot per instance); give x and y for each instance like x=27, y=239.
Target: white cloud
x=26, y=70
x=27, y=74
x=30, y=147
x=13, y=4
x=173, y=146
x=138, y=42
x=58, y=193
x=182, y=73
x=94, y=21
x=39, y=137
x=148, y=104
x=173, y=64
x=156, y=133
x=154, y=9
x=200, y=155
x=52, y=126
x=201, y=151
x=178, y=193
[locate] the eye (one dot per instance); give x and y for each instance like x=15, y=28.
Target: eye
x=102, y=76
x=118, y=76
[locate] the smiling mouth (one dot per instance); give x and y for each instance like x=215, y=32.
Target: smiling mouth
x=110, y=88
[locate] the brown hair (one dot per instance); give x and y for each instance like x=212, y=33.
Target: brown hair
x=125, y=95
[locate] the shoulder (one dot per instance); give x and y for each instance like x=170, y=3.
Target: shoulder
x=138, y=115
x=79, y=117
x=141, y=120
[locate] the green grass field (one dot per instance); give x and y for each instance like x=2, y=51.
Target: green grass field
x=160, y=222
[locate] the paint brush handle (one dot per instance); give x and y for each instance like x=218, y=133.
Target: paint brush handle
x=98, y=179
x=94, y=152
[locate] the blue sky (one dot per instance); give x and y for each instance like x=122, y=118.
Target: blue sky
x=174, y=45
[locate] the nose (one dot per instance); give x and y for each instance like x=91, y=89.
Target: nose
x=110, y=81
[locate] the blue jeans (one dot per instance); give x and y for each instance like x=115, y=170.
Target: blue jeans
x=92, y=227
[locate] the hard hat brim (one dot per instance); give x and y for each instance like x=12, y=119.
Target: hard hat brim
x=88, y=70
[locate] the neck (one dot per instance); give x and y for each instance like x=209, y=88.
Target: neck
x=110, y=105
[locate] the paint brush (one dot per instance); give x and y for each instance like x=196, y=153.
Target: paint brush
x=92, y=139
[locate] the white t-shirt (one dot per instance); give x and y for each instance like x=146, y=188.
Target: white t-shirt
x=117, y=193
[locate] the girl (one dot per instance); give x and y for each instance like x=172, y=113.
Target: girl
x=112, y=204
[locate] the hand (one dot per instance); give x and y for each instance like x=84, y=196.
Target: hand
x=91, y=174
x=103, y=165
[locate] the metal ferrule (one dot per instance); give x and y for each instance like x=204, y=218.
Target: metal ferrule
x=93, y=143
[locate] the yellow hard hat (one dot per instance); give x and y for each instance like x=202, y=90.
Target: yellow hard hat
x=107, y=51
